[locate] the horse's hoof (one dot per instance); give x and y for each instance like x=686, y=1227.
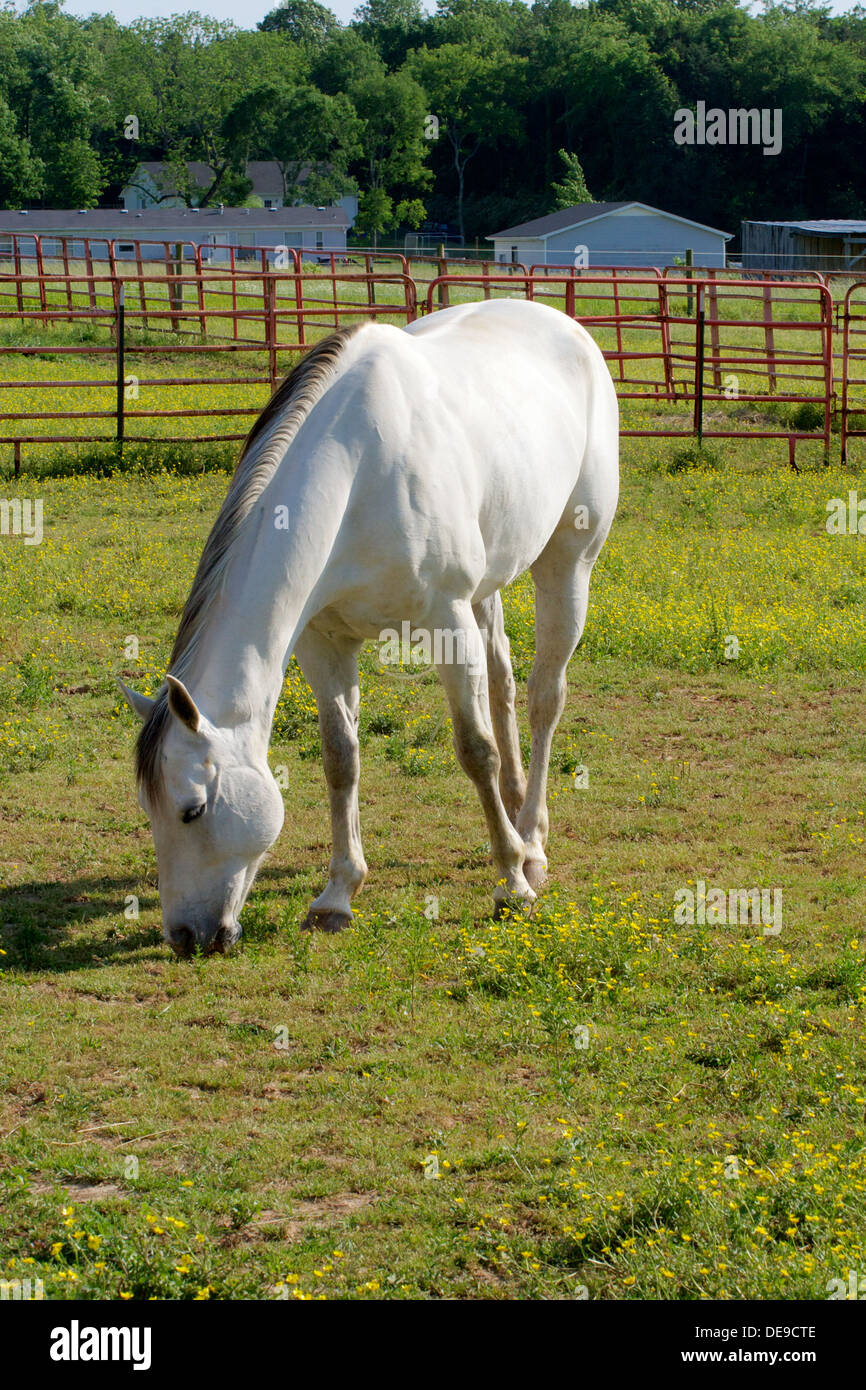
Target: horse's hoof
x=535, y=873
x=512, y=907
x=325, y=919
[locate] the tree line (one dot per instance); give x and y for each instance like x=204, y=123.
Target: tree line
x=480, y=115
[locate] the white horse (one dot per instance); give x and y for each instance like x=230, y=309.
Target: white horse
x=395, y=474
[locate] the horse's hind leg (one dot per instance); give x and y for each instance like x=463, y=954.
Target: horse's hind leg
x=502, y=692
x=331, y=668
x=561, y=576
x=463, y=672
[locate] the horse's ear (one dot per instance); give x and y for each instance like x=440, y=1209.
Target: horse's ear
x=139, y=704
x=182, y=705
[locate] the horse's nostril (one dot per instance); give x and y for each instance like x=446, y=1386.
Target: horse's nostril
x=181, y=940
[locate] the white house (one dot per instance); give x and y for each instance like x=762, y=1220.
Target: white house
x=306, y=229
x=609, y=234
x=152, y=183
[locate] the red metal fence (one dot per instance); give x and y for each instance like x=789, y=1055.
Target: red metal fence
x=713, y=342
x=853, y=423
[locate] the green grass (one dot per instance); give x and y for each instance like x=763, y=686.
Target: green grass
x=432, y=1105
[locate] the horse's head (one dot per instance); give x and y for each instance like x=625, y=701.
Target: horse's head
x=214, y=809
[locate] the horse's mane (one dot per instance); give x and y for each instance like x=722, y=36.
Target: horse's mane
x=260, y=456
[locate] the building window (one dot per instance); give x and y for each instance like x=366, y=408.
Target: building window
x=514, y=255
x=320, y=240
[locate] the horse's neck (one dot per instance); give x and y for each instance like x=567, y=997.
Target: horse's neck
x=276, y=563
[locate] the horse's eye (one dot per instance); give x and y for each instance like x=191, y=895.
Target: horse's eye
x=192, y=813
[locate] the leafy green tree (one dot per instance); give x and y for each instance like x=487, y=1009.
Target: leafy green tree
x=197, y=70
x=302, y=21
x=572, y=190
x=375, y=213
x=392, y=108
x=511, y=83
x=22, y=175
x=410, y=212
x=311, y=136
x=391, y=26
x=53, y=87
x=472, y=96
x=346, y=59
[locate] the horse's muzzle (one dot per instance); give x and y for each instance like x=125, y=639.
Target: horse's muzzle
x=184, y=941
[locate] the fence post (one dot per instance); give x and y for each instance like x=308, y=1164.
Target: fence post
x=271, y=327
x=175, y=287
x=91, y=287
x=65, y=256
x=843, y=458
x=410, y=298
x=699, y=368
x=371, y=288
x=690, y=260
x=299, y=307
x=441, y=290
x=142, y=288
x=769, y=344
x=17, y=458
x=667, y=354
x=19, y=284
x=40, y=271
x=715, y=346
x=199, y=280
x=619, y=346
x=121, y=366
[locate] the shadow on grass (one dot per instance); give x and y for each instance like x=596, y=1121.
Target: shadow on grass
x=41, y=923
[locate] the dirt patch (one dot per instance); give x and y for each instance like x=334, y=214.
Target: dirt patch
x=315, y=1212
x=78, y=1191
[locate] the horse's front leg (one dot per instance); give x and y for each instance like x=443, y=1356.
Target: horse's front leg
x=462, y=667
x=331, y=667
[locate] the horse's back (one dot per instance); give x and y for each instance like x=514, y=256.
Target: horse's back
x=471, y=429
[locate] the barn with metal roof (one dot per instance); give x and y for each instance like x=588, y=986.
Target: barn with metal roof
x=828, y=244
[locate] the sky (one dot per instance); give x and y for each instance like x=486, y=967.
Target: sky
x=245, y=15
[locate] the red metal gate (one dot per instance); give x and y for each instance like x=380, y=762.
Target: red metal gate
x=853, y=365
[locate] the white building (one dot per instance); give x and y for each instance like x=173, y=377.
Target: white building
x=152, y=184
x=610, y=234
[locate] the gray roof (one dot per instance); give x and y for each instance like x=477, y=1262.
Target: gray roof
x=264, y=175
x=559, y=221
x=138, y=224
x=565, y=218
x=826, y=226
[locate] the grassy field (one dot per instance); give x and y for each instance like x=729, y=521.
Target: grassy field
x=600, y=1101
